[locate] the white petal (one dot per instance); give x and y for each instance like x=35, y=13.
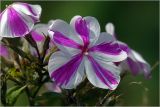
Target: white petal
x=110, y=28
x=41, y=29
x=104, y=38
x=138, y=57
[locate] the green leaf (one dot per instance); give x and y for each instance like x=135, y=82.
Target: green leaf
x=49, y=99
x=13, y=94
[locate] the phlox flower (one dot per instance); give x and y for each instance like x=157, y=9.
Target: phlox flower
x=38, y=33
x=84, y=52
x=135, y=62
x=18, y=19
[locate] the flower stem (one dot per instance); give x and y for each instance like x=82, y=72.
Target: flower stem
x=155, y=65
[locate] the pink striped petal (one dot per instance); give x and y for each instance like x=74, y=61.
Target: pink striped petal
x=59, y=38
x=37, y=36
x=138, y=65
x=107, y=49
x=82, y=29
x=87, y=28
x=102, y=74
x=18, y=19
x=38, y=32
x=66, y=72
x=135, y=62
x=65, y=38
x=34, y=11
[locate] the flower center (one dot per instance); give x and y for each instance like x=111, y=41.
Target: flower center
x=85, y=53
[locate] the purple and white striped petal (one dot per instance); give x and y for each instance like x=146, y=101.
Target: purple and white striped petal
x=87, y=28
x=135, y=62
x=138, y=65
x=66, y=72
x=34, y=11
x=65, y=38
x=102, y=74
x=108, y=50
x=38, y=32
x=18, y=19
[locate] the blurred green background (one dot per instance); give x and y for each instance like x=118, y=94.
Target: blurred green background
x=137, y=24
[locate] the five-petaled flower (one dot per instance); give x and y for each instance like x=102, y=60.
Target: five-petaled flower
x=84, y=51
x=135, y=62
x=18, y=19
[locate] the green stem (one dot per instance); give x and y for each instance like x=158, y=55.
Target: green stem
x=3, y=90
x=30, y=99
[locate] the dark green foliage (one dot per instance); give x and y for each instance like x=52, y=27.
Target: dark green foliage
x=49, y=99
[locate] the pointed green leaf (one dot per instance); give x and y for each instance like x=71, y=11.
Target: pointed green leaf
x=13, y=94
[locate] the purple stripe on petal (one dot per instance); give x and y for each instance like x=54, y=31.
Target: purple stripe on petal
x=134, y=66
x=107, y=48
x=63, y=74
x=137, y=67
x=63, y=40
x=17, y=26
x=37, y=37
x=82, y=30
x=124, y=47
x=31, y=11
x=103, y=74
x=34, y=19
x=29, y=8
